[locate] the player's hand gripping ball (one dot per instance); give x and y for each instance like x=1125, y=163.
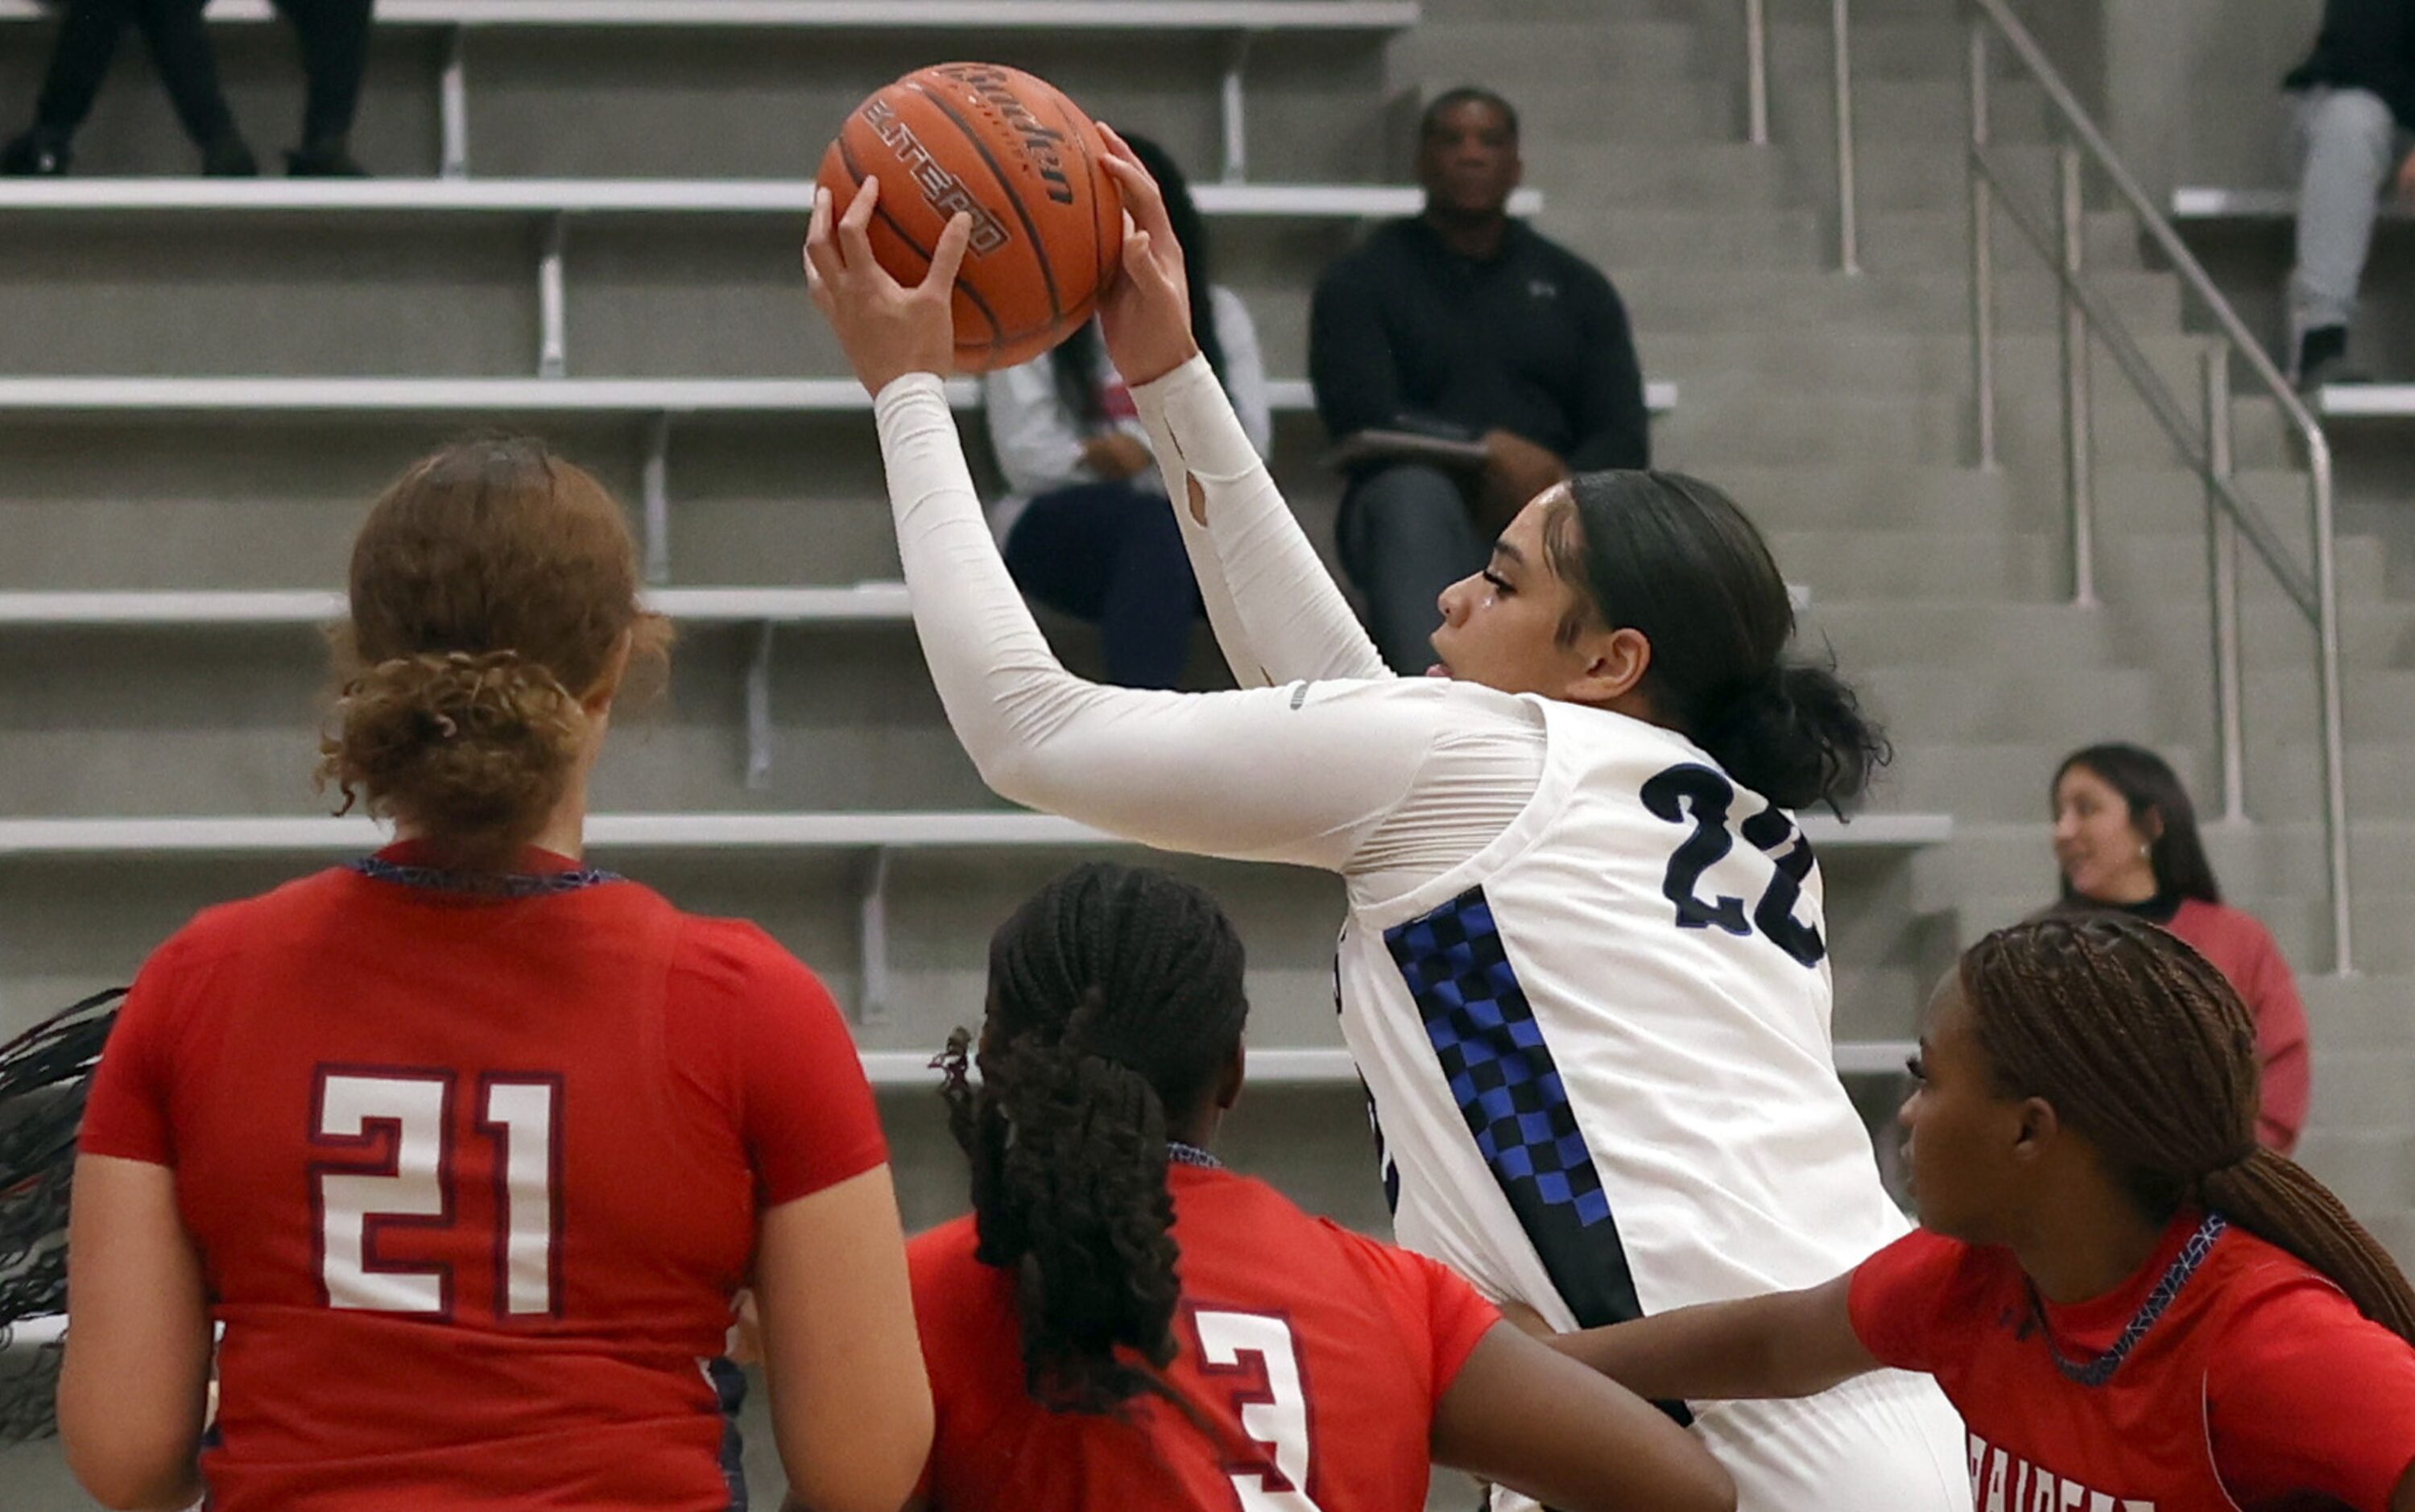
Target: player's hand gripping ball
x=1025, y=163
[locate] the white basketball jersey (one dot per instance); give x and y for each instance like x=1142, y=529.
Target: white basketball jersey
x=1599, y=1057
x=1599, y=1048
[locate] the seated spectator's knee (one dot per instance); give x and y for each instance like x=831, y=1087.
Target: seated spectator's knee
x=2356, y=114
x=1412, y=498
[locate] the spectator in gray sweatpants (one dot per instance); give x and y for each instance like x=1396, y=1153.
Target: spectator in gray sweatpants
x=2353, y=128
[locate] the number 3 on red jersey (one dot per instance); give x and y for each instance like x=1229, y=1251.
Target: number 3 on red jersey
x=386, y=1160
x=1278, y=1419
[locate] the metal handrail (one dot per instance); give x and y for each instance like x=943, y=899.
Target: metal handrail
x=2229, y=514
x=1756, y=95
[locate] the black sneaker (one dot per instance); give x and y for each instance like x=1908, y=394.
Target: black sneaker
x=2323, y=361
x=37, y=154
x=327, y=157
x=228, y=157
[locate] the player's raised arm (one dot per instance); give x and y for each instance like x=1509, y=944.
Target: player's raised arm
x=1269, y=773
x=1273, y=606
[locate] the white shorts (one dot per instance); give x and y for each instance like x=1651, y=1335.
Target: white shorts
x=1886, y=1441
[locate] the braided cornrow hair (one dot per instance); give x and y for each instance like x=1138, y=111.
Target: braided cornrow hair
x=2144, y=1048
x=1115, y=1001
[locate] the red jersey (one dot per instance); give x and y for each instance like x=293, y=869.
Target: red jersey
x=2259, y=1387
x=2244, y=952
x=1318, y=1358
x=473, y=1179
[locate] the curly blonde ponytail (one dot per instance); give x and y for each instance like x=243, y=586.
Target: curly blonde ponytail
x=493, y=589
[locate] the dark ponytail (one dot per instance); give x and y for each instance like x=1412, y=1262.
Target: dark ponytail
x=1674, y=558
x=2145, y=1049
x=1115, y=1004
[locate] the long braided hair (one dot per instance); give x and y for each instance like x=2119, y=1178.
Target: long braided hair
x=1115, y=1001
x=2145, y=1049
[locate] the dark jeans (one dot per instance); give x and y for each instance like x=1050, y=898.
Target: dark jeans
x=1406, y=535
x=1112, y=554
x=335, y=36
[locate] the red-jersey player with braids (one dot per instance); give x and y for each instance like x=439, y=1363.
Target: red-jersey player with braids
x=466, y=1145
x=1123, y=1323
x=2135, y=1307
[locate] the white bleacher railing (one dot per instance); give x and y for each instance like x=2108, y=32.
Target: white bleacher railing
x=1238, y=20
x=2203, y=442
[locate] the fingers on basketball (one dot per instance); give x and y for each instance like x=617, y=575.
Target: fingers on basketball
x=949, y=256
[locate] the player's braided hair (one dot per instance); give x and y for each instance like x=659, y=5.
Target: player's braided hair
x=490, y=587
x=2145, y=1049
x=1115, y=1001
x=1675, y=559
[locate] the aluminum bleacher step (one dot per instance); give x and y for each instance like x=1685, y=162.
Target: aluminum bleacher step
x=626, y=197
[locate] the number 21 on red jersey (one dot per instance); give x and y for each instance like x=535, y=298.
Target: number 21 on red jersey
x=384, y=1143
x=1276, y=1419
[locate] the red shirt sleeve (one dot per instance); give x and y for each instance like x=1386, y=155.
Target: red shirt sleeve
x=807, y=1117
x=2271, y=995
x=1452, y=1316
x=2306, y=1394
x=1902, y=1298
x=125, y=1113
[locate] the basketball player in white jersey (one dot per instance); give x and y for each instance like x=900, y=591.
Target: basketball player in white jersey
x=1583, y=973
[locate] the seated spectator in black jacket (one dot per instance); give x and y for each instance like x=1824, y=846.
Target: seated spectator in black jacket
x=2351, y=131
x=1462, y=325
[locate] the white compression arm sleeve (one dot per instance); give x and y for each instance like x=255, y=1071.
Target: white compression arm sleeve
x=1287, y=615
x=1302, y=773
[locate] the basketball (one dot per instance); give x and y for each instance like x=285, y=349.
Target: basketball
x=1025, y=162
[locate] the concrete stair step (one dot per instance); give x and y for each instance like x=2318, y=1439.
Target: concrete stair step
x=1949, y=634
x=1684, y=301
x=1896, y=364
x=2005, y=699
x=1706, y=46
x=2003, y=781
x=1740, y=418
x=2299, y=923
x=2031, y=566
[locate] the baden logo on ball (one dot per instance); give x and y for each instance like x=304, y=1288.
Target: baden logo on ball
x=1025, y=162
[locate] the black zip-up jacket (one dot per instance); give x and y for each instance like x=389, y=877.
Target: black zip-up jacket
x=2365, y=44
x=1406, y=333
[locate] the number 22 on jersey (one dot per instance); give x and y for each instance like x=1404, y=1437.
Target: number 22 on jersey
x=1693, y=793
x=386, y=1159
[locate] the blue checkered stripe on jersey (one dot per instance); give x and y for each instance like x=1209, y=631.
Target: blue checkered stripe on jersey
x=1491, y=1051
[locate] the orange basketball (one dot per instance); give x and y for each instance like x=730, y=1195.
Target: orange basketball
x=1025, y=161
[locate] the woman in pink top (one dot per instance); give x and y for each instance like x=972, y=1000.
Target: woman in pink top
x=2125, y=837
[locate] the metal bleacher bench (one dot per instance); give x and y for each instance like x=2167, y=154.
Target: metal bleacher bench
x=1238, y=20
x=874, y=834
x=654, y=400
x=766, y=610
x=557, y=202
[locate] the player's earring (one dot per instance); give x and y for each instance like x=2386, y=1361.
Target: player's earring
x=2146, y=848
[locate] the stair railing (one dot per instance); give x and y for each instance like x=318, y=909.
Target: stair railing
x=2203, y=441
x=1756, y=109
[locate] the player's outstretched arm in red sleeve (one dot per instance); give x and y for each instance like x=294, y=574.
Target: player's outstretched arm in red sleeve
x=1532, y=1419
x=1784, y=1345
